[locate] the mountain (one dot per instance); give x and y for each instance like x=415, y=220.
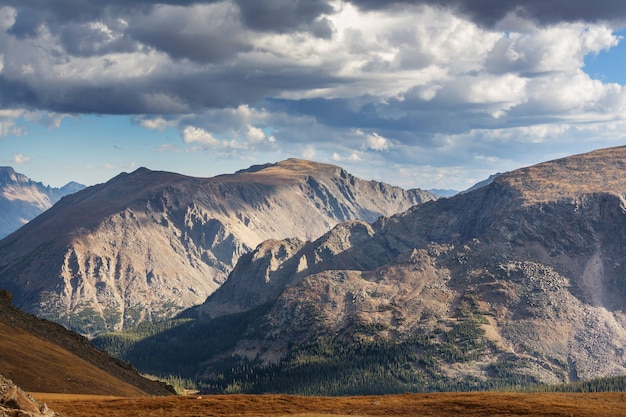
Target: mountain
x=22, y=199
x=522, y=281
x=41, y=356
x=146, y=245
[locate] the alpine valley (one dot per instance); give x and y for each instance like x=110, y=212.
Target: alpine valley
x=520, y=282
x=146, y=245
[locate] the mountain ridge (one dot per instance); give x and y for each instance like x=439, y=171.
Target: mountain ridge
x=148, y=244
x=529, y=267
x=22, y=199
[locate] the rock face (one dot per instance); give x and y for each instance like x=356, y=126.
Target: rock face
x=15, y=402
x=146, y=245
x=22, y=199
x=537, y=257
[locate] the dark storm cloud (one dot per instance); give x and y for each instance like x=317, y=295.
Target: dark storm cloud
x=163, y=93
x=205, y=40
x=26, y=23
x=201, y=34
x=286, y=15
x=489, y=12
x=174, y=30
x=264, y=15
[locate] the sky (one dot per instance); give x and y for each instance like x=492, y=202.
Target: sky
x=415, y=93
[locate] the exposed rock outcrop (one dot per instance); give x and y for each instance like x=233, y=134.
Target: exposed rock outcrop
x=16, y=403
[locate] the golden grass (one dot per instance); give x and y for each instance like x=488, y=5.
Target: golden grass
x=601, y=171
x=439, y=404
x=35, y=364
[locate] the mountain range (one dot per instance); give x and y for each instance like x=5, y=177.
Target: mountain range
x=522, y=281
x=146, y=245
x=22, y=199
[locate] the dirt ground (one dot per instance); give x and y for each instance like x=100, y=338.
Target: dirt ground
x=440, y=404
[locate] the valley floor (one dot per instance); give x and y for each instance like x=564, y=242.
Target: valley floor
x=439, y=404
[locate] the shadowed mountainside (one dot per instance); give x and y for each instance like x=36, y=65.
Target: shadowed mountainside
x=146, y=245
x=521, y=281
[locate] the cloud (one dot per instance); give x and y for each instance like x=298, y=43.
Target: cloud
x=361, y=80
x=19, y=158
x=373, y=141
x=155, y=123
x=201, y=32
x=489, y=13
x=257, y=135
x=309, y=152
x=8, y=126
x=353, y=157
x=192, y=134
x=184, y=57
x=287, y=15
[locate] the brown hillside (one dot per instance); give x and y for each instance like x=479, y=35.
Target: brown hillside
x=444, y=404
x=42, y=356
x=600, y=171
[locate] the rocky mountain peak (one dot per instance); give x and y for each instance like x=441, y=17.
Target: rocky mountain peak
x=9, y=174
x=22, y=199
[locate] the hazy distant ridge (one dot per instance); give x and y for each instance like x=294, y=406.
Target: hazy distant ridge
x=22, y=199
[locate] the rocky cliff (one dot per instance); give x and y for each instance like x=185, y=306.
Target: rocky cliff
x=146, y=245
x=22, y=199
x=524, y=277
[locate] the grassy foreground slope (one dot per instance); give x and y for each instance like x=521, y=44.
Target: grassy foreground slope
x=40, y=356
x=441, y=404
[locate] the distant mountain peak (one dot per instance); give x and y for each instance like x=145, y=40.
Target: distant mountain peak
x=9, y=174
x=22, y=199
x=600, y=171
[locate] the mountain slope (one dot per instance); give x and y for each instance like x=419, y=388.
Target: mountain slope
x=146, y=245
x=22, y=199
x=41, y=356
x=520, y=281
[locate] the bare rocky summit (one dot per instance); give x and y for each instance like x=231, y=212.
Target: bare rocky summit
x=536, y=258
x=146, y=245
